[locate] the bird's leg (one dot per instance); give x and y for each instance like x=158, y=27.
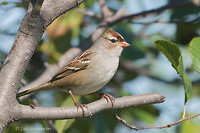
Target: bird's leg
x=77, y=104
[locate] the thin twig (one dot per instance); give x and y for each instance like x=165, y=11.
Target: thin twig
x=104, y=9
x=168, y=22
x=130, y=17
x=88, y=13
x=154, y=127
x=23, y=82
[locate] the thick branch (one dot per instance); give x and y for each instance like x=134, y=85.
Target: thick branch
x=27, y=112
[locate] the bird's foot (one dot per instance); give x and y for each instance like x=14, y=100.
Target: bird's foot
x=82, y=106
x=108, y=98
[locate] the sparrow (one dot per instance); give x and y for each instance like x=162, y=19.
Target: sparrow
x=90, y=71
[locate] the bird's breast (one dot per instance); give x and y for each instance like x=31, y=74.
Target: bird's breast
x=99, y=75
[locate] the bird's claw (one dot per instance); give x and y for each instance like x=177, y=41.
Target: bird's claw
x=81, y=106
x=109, y=97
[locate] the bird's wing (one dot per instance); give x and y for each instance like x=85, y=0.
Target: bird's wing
x=81, y=62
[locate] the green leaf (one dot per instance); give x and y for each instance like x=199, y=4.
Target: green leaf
x=194, y=49
x=173, y=53
x=180, y=67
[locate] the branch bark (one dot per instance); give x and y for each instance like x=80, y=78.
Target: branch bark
x=27, y=112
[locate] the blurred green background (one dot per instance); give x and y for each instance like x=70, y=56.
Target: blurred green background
x=143, y=69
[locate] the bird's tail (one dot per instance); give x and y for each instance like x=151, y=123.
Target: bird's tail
x=44, y=86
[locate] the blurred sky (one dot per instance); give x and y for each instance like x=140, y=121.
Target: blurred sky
x=10, y=18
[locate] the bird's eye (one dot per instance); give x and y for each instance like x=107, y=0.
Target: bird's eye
x=113, y=40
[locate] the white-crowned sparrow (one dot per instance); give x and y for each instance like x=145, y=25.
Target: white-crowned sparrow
x=91, y=70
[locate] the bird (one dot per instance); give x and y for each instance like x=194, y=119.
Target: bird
x=88, y=72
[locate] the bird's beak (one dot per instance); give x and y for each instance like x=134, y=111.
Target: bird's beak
x=124, y=44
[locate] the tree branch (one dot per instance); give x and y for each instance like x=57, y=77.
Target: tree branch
x=196, y=20
x=51, y=9
x=130, y=17
x=27, y=112
x=154, y=127
x=104, y=9
x=88, y=13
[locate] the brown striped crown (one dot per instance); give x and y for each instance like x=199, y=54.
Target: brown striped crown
x=116, y=35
